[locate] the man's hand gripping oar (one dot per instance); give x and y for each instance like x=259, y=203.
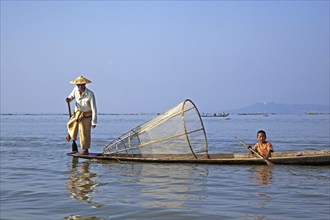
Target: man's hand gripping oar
x=74, y=145
x=253, y=151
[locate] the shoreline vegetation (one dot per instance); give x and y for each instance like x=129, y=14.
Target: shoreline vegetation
x=202, y=114
x=261, y=109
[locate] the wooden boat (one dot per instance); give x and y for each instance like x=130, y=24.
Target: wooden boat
x=178, y=136
x=222, y=114
x=308, y=157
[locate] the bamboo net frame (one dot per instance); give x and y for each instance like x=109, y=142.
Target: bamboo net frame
x=178, y=132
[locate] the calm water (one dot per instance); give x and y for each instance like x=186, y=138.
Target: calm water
x=38, y=180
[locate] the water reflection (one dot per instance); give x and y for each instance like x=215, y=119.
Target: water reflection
x=78, y=217
x=256, y=217
x=264, y=174
x=172, y=186
x=159, y=185
x=81, y=186
x=82, y=182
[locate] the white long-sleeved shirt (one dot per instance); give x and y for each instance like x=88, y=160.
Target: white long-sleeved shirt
x=85, y=102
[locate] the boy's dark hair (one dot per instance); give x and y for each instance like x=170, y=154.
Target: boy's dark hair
x=262, y=132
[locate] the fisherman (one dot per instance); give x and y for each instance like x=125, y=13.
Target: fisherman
x=85, y=114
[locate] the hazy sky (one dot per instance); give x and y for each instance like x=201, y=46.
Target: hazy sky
x=147, y=56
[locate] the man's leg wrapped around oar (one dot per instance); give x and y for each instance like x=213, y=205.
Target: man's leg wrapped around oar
x=81, y=122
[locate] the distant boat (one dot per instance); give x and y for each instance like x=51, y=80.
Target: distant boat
x=221, y=114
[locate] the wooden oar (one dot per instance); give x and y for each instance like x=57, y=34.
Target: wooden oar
x=253, y=151
x=74, y=145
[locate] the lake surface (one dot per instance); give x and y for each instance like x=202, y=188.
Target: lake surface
x=38, y=180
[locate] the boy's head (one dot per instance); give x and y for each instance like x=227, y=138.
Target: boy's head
x=261, y=136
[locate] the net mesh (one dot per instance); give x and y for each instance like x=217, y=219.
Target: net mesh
x=178, y=132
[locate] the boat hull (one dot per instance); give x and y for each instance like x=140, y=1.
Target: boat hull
x=310, y=158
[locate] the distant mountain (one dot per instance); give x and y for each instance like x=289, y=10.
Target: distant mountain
x=282, y=108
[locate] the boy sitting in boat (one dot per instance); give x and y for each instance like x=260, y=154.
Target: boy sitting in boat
x=263, y=147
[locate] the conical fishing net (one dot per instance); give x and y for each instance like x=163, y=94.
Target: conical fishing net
x=176, y=133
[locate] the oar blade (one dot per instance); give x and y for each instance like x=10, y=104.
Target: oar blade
x=74, y=147
x=269, y=163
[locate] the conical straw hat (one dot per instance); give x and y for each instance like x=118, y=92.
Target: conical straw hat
x=80, y=80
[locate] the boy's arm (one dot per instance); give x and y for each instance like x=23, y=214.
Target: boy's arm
x=270, y=150
x=268, y=154
x=248, y=147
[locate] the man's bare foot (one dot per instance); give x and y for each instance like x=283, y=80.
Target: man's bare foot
x=72, y=152
x=67, y=137
x=84, y=152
